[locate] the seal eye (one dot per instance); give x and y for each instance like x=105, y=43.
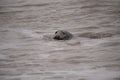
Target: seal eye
x=56, y=32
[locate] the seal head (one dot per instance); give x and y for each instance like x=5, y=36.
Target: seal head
x=62, y=35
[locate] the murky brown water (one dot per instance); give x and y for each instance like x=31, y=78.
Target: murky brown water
x=27, y=52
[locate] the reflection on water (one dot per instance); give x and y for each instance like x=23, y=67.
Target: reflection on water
x=28, y=52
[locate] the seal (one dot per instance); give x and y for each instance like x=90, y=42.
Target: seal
x=62, y=35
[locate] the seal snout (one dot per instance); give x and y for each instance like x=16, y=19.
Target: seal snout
x=57, y=37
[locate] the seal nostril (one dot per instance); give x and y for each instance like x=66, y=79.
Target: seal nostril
x=54, y=37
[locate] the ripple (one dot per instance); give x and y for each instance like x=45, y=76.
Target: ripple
x=92, y=35
x=9, y=73
x=33, y=5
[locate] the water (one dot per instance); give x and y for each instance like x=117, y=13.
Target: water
x=28, y=52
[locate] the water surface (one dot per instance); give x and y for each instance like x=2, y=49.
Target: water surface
x=28, y=52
